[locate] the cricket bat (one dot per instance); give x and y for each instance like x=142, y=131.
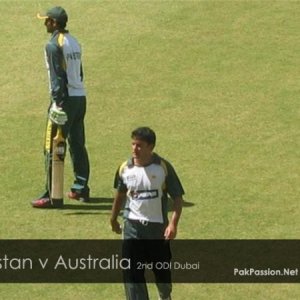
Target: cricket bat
x=57, y=178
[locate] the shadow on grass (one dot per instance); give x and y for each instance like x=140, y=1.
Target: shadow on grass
x=187, y=204
x=184, y=204
x=97, y=205
x=94, y=206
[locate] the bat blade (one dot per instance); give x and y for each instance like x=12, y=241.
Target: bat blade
x=58, y=157
x=49, y=135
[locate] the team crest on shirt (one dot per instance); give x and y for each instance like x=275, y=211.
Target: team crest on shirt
x=131, y=178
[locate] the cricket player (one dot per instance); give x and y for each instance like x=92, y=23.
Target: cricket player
x=68, y=103
x=145, y=181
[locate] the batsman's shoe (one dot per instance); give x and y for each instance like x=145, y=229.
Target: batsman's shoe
x=79, y=195
x=42, y=203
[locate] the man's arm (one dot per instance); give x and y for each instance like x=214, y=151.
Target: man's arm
x=58, y=79
x=171, y=230
x=116, y=208
x=176, y=191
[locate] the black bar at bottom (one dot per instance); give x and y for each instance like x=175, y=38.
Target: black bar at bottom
x=193, y=261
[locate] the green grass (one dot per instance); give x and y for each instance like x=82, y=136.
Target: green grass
x=219, y=83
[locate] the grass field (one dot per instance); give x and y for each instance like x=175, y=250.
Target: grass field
x=219, y=83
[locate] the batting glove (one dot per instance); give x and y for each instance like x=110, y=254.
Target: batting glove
x=57, y=115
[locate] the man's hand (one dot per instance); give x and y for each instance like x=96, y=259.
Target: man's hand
x=115, y=226
x=57, y=115
x=118, y=200
x=170, y=232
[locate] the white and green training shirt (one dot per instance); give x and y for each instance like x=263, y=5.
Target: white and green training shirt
x=147, y=189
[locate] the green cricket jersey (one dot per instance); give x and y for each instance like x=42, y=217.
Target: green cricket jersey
x=63, y=61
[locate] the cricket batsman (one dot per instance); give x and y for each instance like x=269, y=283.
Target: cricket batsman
x=67, y=105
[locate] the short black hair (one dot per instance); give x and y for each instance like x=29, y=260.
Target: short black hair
x=144, y=134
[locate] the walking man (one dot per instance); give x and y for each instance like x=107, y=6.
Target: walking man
x=145, y=181
x=67, y=103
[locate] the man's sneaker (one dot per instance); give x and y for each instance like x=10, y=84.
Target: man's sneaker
x=80, y=195
x=42, y=203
